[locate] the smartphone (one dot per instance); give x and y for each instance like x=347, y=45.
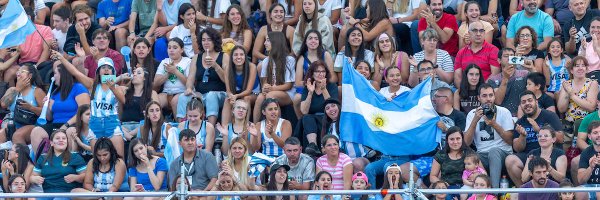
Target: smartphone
x=516, y=60
x=139, y=187
x=105, y=78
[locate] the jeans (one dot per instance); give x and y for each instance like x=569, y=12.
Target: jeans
x=104, y=126
x=378, y=167
x=212, y=100
x=414, y=35
x=493, y=162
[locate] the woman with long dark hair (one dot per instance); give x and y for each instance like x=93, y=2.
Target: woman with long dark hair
x=338, y=164
x=278, y=181
x=379, y=22
x=154, y=132
x=172, y=75
x=312, y=19
x=323, y=181
x=104, y=95
x=195, y=121
x=292, y=10
x=142, y=56
x=276, y=16
x=186, y=29
x=81, y=136
x=137, y=96
x=236, y=29
x=242, y=82
x=272, y=131
x=353, y=51
x=448, y=163
x=207, y=76
x=106, y=171
x=59, y=170
x=145, y=169
x=64, y=101
x=27, y=95
x=18, y=162
x=277, y=73
x=465, y=97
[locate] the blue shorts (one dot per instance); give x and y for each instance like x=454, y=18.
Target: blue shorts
x=423, y=164
x=592, y=194
x=104, y=126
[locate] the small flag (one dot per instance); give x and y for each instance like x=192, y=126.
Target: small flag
x=15, y=25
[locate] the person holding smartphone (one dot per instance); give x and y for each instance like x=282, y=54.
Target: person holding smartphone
x=104, y=98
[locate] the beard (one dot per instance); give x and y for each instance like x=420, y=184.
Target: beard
x=541, y=181
x=531, y=8
x=532, y=112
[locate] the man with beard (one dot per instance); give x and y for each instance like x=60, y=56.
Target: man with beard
x=578, y=27
x=201, y=167
x=479, y=52
x=101, y=41
x=531, y=16
x=589, y=165
x=490, y=128
x=443, y=23
x=509, y=84
x=539, y=179
x=302, y=166
x=526, y=133
x=449, y=117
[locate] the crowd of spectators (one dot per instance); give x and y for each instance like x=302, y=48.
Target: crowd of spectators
x=246, y=95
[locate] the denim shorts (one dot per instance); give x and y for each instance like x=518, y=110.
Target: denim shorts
x=104, y=126
x=592, y=194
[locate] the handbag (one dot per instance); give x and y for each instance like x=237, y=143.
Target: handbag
x=24, y=116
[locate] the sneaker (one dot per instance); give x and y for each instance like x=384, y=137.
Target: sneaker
x=312, y=149
x=6, y=145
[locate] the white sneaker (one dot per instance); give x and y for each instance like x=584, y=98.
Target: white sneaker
x=6, y=145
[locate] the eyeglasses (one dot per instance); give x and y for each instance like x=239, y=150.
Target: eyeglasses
x=320, y=72
x=427, y=69
x=525, y=35
x=478, y=30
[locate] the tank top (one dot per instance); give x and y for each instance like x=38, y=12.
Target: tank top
x=163, y=137
x=558, y=74
x=207, y=81
x=307, y=62
x=29, y=98
x=200, y=139
x=575, y=112
x=104, y=103
x=103, y=180
x=239, y=38
x=269, y=147
x=132, y=112
x=382, y=69
x=232, y=134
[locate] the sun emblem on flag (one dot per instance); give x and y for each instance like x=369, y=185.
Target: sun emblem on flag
x=378, y=120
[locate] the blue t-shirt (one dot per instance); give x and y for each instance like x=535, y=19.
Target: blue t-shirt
x=54, y=172
x=541, y=22
x=63, y=110
x=142, y=178
x=119, y=10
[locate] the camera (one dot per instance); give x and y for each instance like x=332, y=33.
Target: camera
x=488, y=111
x=516, y=60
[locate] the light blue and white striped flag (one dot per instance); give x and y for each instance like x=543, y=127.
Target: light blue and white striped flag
x=15, y=25
x=404, y=126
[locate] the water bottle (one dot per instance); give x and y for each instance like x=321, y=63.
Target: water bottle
x=503, y=182
x=218, y=155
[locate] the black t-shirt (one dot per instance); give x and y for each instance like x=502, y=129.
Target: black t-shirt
x=545, y=101
x=545, y=117
x=532, y=55
x=456, y=118
x=471, y=102
x=556, y=152
x=317, y=103
x=582, y=26
x=584, y=162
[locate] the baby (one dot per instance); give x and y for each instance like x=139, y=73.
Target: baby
x=472, y=170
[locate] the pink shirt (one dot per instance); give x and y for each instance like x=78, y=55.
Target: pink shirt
x=592, y=57
x=468, y=173
x=91, y=64
x=32, y=48
x=337, y=171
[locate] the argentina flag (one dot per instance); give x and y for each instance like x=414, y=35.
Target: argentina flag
x=15, y=25
x=404, y=126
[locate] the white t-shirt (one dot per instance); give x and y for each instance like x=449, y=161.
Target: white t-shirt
x=60, y=38
x=290, y=72
x=328, y=6
x=220, y=9
x=171, y=11
x=484, y=141
x=173, y=85
x=387, y=94
x=39, y=4
x=184, y=34
x=412, y=5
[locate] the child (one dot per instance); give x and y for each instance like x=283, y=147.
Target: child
x=482, y=181
x=439, y=185
x=556, y=62
x=472, y=170
x=566, y=195
x=360, y=182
